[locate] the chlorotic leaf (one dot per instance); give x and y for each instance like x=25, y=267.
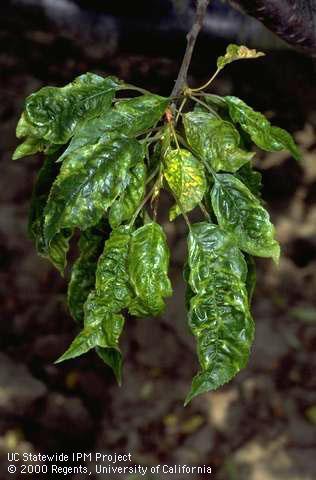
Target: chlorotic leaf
x=186, y=179
x=88, y=184
x=219, y=314
x=82, y=279
x=259, y=128
x=216, y=141
x=237, y=52
x=239, y=212
x=148, y=270
x=125, y=206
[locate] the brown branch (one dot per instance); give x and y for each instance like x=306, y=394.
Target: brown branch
x=181, y=81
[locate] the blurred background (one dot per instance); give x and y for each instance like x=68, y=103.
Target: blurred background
x=261, y=426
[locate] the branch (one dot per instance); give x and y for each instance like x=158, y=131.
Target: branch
x=191, y=39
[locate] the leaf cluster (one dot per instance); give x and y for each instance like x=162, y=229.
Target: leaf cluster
x=107, y=157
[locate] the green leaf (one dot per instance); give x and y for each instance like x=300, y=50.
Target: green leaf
x=237, y=52
x=102, y=329
x=259, y=128
x=251, y=276
x=148, y=270
x=112, y=358
x=216, y=141
x=30, y=146
x=238, y=211
x=125, y=206
x=128, y=117
x=53, y=113
x=212, y=247
x=88, y=184
x=82, y=279
x=57, y=251
x=112, y=278
x=219, y=314
x=251, y=178
x=186, y=178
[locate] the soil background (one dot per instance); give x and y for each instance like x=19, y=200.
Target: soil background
x=261, y=426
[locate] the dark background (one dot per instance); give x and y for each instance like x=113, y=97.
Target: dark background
x=261, y=426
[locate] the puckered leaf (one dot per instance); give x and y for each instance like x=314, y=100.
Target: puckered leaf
x=102, y=328
x=125, y=206
x=52, y=114
x=237, y=52
x=238, y=211
x=251, y=178
x=186, y=178
x=259, y=128
x=216, y=141
x=57, y=251
x=112, y=278
x=82, y=279
x=219, y=314
x=88, y=184
x=128, y=117
x=148, y=270
x=212, y=247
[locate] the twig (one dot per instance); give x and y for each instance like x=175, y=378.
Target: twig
x=191, y=39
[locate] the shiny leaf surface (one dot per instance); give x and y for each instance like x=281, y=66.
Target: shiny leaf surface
x=82, y=279
x=186, y=179
x=216, y=141
x=238, y=211
x=259, y=128
x=148, y=264
x=52, y=113
x=88, y=184
x=125, y=206
x=219, y=314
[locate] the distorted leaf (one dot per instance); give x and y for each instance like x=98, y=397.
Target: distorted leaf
x=259, y=128
x=186, y=179
x=237, y=52
x=125, y=206
x=219, y=314
x=238, y=211
x=82, y=279
x=148, y=264
x=88, y=184
x=216, y=141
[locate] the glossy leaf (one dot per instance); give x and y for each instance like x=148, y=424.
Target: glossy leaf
x=216, y=141
x=259, y=128
x=101, y=329
x=219, y=314
x=112, y=278
x=112, y=358
x=238, y=211
x=251, y=279
x=128, y=117
x=52, y=114
x=237, y=52
x=148, y=264
x=186, y=179
x=82, y=279
x=57, y=251
x=88, y=184
x=251, y=178
x=125, y=206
